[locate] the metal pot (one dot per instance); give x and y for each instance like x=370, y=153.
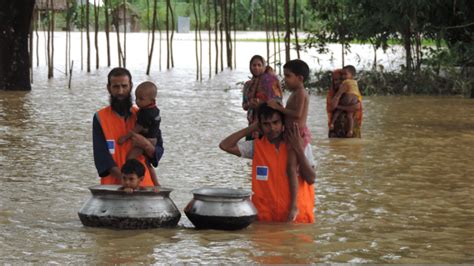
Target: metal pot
x=110, y=207
x=221, y=208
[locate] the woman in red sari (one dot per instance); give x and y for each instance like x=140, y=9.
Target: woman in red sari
x=332, y=102
x=262, y=87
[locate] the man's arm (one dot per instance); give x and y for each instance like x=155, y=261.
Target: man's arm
x=297, y=101
x=229, y=144
x=104, y=162
x=153, y=151
x=296, y=142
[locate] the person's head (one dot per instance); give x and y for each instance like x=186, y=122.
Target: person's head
x=270, y=122
x=296, y=72
x=349, y=72
x=133, y=173
x=145, y=94
x=119, y=85
x=337, y=78
x=257, y=65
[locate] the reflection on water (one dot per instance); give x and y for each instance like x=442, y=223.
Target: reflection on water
x=401, y=194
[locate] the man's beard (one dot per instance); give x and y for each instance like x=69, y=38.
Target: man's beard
x=122, y=107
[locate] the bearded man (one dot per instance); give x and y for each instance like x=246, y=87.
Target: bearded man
x=114, y=121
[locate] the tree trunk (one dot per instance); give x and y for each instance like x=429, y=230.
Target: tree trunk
x=96, y=33
x=172, y=35
x=167, y=22
x=107, y=30
x=200, y=41
x=88, y=39
x=14, y=58
x=267, y=34
x=150, y=52
x=296, y=29
x=278, y=36
x=124, y=53
x=196, y=38
x=288, y=30
x=216, y=28
x=209, y=36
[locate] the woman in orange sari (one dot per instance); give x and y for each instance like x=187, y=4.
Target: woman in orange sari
x=332, y=102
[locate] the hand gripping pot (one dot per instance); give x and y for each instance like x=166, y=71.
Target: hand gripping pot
x=221, y=208
x=113, y=208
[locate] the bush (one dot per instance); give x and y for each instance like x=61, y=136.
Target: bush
x=426, y=81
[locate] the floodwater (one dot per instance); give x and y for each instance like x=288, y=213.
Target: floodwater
x=401, y=194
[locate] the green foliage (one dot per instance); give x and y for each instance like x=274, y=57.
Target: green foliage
x=426, y=81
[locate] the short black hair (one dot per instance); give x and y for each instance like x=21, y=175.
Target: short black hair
x=264, y=111
x=133, y=166
x=299, y=67
x=117, y=72
x=351, y=69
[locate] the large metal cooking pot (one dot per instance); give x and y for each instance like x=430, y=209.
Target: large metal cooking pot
x=221, y=208
x=111, y=207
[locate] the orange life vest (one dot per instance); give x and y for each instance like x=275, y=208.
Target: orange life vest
x=114, y=126
x=271, y=188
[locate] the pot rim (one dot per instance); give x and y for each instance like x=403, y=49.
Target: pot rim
x=114, y=190
x=219, y=192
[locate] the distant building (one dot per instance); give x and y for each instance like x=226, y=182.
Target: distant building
x=55, y=5
x=183, y=24
x=125, y=15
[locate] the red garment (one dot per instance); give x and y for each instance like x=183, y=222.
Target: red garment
x=114, y=126
x=271, y=187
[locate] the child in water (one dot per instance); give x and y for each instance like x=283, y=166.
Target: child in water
x=296, y=72
x=133, y=173
x=351, y=96
x=148, y=122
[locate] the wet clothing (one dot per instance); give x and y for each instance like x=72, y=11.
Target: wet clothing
x=353, y=88
x=149, y=118
x=306, y=135
x=264, y=87
x=108, y=127
x=340, y=126
x=270, y=184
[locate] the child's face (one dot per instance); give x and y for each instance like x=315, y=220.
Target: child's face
x=347, y=75
x=131, y=181
x=142, y=98
x=292, y=81
x=256, y=67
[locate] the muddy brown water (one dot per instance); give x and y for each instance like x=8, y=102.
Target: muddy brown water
x=401, y=194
